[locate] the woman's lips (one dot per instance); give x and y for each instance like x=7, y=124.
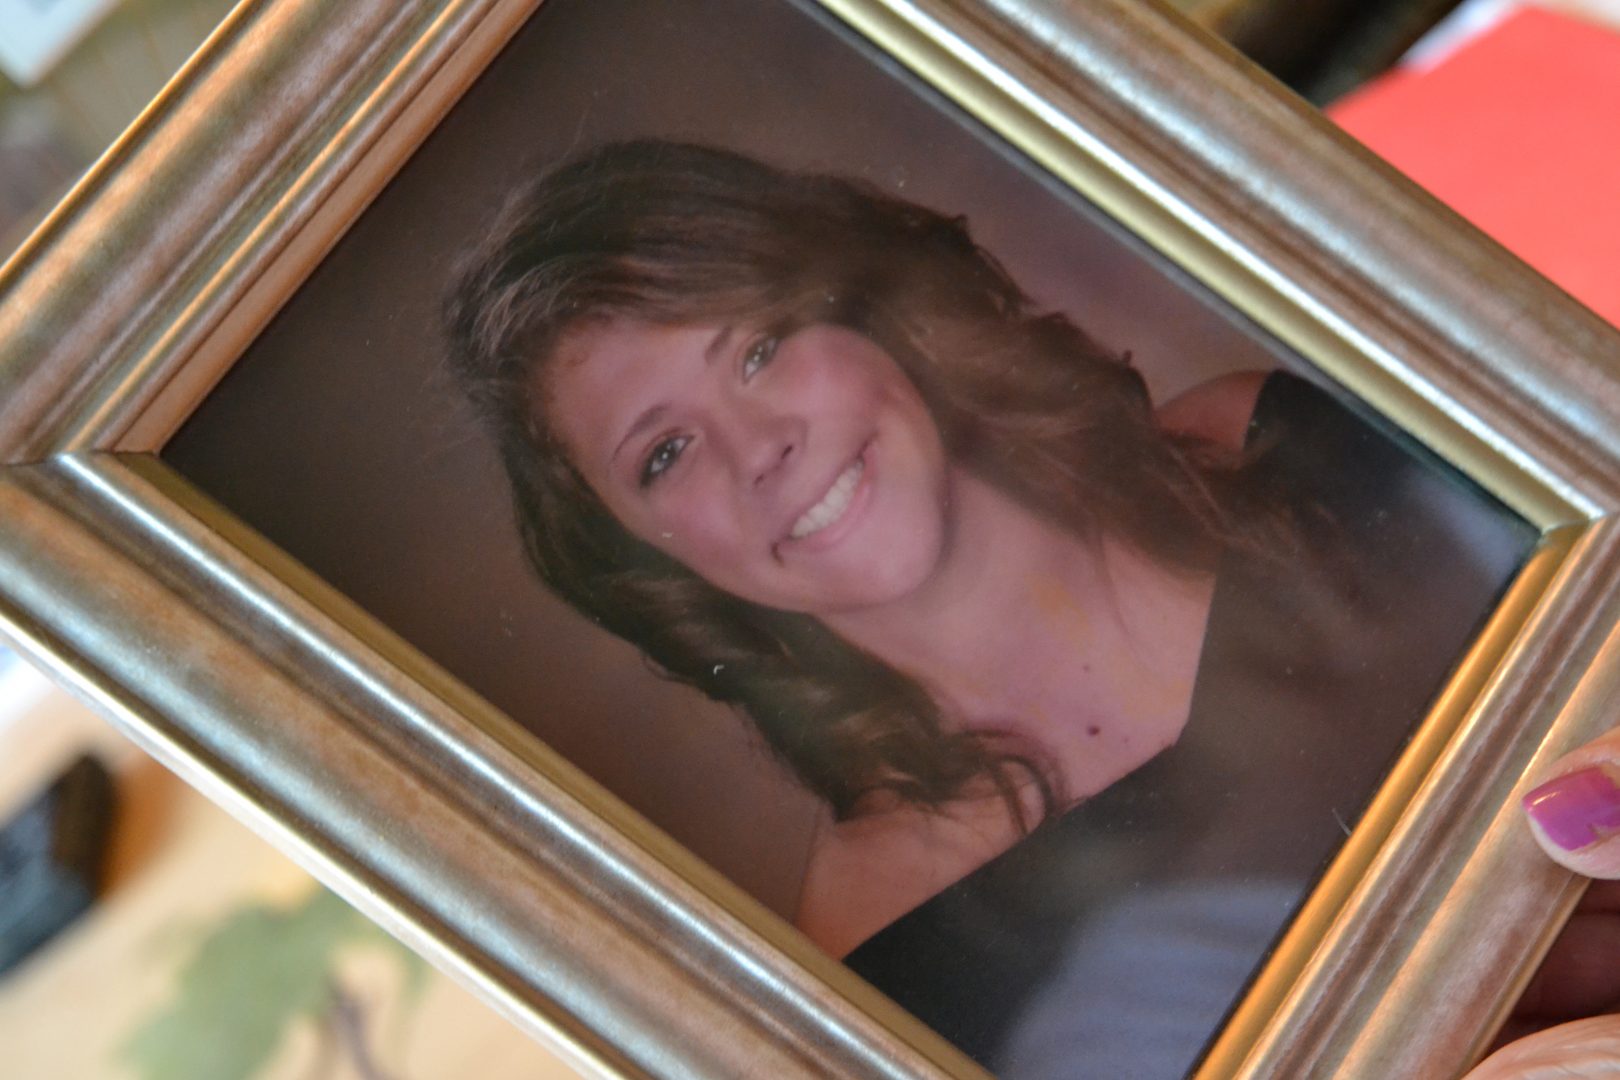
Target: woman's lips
x=833, y=504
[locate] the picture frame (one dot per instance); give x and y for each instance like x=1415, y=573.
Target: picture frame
x=499, y=859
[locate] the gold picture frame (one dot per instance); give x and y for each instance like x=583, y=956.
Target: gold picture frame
x=502, y=862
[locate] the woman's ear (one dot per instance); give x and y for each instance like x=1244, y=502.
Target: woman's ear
x=1575, y=811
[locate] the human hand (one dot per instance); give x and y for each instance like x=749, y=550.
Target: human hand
x=1575, y=816
x=1579, y=1050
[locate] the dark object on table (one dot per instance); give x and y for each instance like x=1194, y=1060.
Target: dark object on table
x=51, y=856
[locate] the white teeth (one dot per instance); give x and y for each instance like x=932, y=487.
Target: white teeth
x=832, y=505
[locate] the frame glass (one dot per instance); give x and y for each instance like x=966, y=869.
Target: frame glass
x=235, y=642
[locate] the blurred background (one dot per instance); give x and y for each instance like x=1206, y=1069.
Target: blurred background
x=169, y=942
x=73, y=74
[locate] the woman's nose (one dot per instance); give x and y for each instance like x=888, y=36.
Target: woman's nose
x=773, y=460
x=766, y=444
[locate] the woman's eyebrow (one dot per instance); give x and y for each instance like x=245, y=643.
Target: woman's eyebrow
x=652, y=416
x=717, y=344
x=648, y=419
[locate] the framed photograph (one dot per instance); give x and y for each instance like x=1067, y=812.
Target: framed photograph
x=829, y=537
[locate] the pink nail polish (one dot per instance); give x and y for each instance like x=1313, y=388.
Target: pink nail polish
x=1578, y=809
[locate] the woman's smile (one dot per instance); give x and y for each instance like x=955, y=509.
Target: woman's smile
x=833, y=515
x=798, y=469
x=832, y=505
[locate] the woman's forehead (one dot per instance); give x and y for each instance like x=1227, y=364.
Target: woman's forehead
x=622, y=341
x=605, y=374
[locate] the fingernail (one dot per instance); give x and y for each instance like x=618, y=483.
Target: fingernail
x=1578, y=809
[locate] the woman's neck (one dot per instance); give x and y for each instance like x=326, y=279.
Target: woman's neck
x=1089, y=652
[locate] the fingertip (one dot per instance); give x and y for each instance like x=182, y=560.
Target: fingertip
x=1575, y=817
x=1581, y=1050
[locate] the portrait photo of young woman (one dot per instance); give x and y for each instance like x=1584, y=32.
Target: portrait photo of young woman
x=871, y=515
x=813, y=452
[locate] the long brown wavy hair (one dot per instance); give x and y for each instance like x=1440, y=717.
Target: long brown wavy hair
x=670, y=233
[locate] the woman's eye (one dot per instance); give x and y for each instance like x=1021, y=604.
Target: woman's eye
x=758, y=355
x=665, y=454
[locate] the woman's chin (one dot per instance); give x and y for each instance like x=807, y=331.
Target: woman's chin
x=895, y=575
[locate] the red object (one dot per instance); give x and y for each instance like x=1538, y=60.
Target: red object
x=1518, y=131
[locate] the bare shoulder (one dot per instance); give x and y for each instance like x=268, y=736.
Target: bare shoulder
x=1217, y=410
x=865, y=873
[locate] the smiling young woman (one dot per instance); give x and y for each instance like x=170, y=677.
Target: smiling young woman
x=811, y=450
x=801, y=472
